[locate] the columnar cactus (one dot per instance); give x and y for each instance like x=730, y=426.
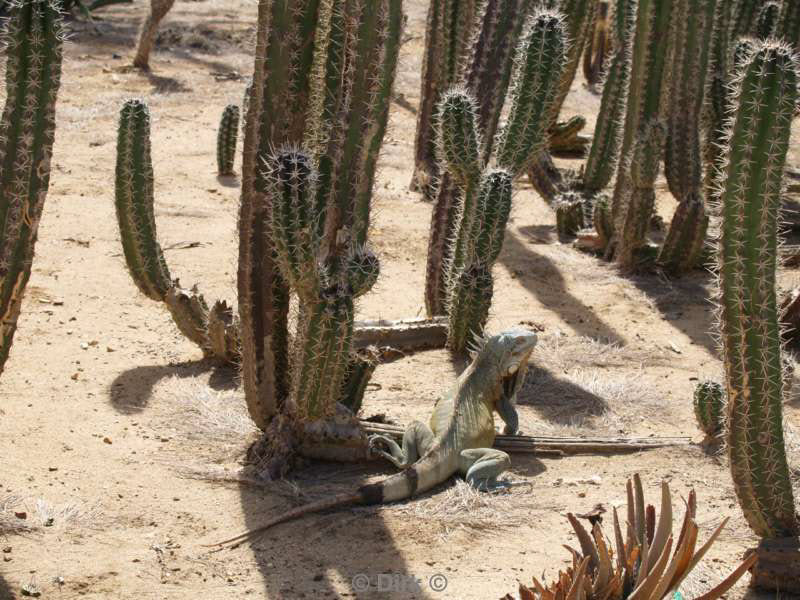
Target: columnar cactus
x=789, y=26
x=287, y=33
x=604, y=152
x=598, y=46
x=484, y=199
x=633, y=197
x=448, y=38
x=486, y=77
x=750, y=181
x=692, y=30
x=709, y=407
x=213, y=330
x=33, y=51
x=227, y=136
x=768, y=19
x=147, y=37
x=578, y=17
x=570, y=217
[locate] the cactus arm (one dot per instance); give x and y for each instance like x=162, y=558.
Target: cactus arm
x=539, y=65
x=134, y=200
x=33, y=52
x=750, y=195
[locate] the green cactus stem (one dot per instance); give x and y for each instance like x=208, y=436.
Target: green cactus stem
x=765, y=97
x=709, y=407
x=33, y=52
x=683, y=247
x=604, y=151
x=633, y=198
x=147, y=36
x=487, y=78
x=484, y=194
x=287, y=34
x=450, y=29
x=598, y=44
x=134, y=202
x=745, y=17
x=227, y=137
x=601, y=219
x=768, y=19
x=789, y=26
x=470, y=301
x=360, y=369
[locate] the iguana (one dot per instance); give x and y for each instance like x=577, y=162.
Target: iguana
x=459, y=439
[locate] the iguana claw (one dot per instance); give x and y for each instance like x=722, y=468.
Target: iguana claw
x=502, y=486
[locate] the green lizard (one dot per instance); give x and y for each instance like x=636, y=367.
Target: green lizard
x=459, y=439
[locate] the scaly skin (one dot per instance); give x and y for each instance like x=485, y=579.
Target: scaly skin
x=458, y=440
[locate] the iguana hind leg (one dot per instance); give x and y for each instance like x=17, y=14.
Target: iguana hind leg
x=482, y=466
x=417, y=438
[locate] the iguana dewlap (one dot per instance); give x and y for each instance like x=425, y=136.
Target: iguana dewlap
x=459, y=438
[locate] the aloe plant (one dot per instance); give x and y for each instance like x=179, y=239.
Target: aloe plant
x=33, y=56
x=750, y=183
x=646, y=562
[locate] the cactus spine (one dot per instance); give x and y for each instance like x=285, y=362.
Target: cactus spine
x=484, y=199
x=213, y=330
x=683, y=162
x=227, y=136
x=643, y=137
x=709, y=407
x=33, y=52
x=750, y=194
x=487, y=77
x=448, y=38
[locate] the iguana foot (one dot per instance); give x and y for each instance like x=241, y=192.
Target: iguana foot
x=495, y=487
x=416, y=441
x=392, y=452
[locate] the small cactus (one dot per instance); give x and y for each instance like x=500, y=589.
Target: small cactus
x=33, y=56
x=750, y=181
x=227, y=136
x=709, y=407
x=569, y=214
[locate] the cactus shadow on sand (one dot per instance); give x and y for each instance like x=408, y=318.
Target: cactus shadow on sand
x=5, y=589
x=131, y=390
x=328, y=554
x=542, y=277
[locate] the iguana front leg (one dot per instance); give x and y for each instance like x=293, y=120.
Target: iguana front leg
x=417, y=439
x=508, y=412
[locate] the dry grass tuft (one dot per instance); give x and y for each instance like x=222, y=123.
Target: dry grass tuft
x=461, y=507
x=43, y=514
x=9, y=523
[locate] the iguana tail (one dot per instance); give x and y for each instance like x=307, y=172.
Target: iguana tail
x=395, y=487
x=335, y=502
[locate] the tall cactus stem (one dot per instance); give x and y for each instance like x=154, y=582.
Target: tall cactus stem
x=768, y=19
x=227, y=137
x=598, y=44
x=757, y=140
x=33, y=51
x=683, y=247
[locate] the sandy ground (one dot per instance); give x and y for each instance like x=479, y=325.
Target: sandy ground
x=117, y=437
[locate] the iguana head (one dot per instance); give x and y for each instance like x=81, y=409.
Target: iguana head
x=509, y=352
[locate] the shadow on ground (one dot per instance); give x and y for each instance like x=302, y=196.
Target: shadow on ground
x=5, y=590
x=542, y=278
x=559, y=401
x=131, y=390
